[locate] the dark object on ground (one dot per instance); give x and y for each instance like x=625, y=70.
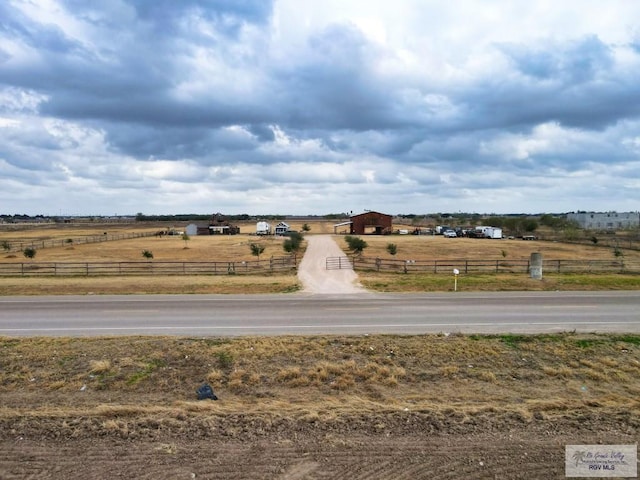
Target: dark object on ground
x=205, y=391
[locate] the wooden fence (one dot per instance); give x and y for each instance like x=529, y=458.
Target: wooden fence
x=481, y=266
x=31, y=269
x=18, y=246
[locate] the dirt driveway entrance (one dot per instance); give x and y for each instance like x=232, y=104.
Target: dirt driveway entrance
x=314, y=275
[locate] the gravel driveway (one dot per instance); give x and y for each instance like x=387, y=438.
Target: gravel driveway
x=313, y=274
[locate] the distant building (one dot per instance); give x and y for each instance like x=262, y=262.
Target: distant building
x=605, y=221
x=282, y=228
x=218, y=225
x=371, y=223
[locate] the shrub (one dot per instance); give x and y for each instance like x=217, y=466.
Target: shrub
x=356, y=244
x=292, y=244
x=225, y=359
x=256, y=249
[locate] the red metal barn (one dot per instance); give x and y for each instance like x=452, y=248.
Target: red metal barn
x=375, y=223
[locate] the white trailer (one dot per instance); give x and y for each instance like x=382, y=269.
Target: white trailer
x=263, y=228
x=492, y=232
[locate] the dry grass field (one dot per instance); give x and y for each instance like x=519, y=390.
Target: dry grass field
x=236, y=248
x=222, y=247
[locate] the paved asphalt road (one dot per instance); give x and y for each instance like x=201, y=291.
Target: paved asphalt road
x=225, y=315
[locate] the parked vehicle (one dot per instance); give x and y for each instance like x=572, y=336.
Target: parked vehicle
x=450, y=234
x=493, y=232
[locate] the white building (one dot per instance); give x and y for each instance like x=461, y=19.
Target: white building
x=282, y=228
x=605, y=221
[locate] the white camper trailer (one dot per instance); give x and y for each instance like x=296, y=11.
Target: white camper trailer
x=263, y=228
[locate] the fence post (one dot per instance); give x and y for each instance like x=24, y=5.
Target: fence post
x=536, y=266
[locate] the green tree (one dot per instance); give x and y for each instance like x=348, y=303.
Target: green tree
x=306, y=227
x=29, y=252
x=293, y=243
x=512, y=224
x=356, y=244
x=256, y=250
x=529, y=225
x=186, y=239
x=6, y=245
x=571, y=233
x=148, y=254
x=392, y=248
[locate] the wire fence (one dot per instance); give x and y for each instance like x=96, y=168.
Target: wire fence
x=603, y=241
x=69, y=269
x=480, y=266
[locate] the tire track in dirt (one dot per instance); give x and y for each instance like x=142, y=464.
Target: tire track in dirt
x=505, y=455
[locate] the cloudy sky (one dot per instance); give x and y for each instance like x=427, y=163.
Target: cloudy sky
x=319, y=106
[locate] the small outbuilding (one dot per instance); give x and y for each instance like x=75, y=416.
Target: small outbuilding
x=219, y=225
x=371, y=223
x=282, y=228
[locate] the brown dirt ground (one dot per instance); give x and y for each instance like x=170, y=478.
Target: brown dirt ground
x=490, y=448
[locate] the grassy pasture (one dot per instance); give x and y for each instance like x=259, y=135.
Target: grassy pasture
x=426, y=247
x=413, y=247
x=236, y=247
x=166, y=248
